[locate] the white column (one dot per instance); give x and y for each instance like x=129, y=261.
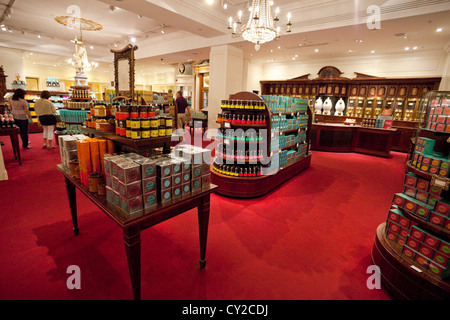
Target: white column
x=445, y=82
x=226, y=65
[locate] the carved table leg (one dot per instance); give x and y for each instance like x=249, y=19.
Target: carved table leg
x=132, y=240
x=203, y=221
x=72, y=195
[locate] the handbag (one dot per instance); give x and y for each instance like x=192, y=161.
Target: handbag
x=58, y=118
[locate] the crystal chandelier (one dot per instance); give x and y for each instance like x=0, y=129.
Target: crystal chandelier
x=261, y=26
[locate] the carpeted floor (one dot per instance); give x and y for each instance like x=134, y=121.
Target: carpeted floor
x=308, y=240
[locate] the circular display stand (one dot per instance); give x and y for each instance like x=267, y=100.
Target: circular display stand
x=398, y=276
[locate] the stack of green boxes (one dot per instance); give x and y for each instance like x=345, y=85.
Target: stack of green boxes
x=136, y=184
x=283, y=104
x=428, y=161
x=199, y=160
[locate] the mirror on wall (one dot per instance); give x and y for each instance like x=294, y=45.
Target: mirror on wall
x=124, y=75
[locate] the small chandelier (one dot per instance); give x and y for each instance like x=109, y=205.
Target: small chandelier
x=261, y=27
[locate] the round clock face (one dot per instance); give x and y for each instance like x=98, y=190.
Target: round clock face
x=181, y=68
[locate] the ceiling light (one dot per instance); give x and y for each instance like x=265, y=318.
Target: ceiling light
x=91, y=47
x=373, y=51
x=4, y=28
x=209, y=1
x=407, y=48
x=279, y=47
x=261, y=26
x=224, y=5
x=39, y=36
x=317, y=50
x=133, y=39
x=350, y=50
x=439, y=30
x=163, y=30
x=415, y=48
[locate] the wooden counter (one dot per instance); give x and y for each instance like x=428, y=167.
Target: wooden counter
x=336, y=137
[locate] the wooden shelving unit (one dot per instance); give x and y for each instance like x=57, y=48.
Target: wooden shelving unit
x=260, y=184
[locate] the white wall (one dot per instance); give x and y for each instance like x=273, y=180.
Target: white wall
x=12, y=62
x=404, y=65
x=253, y=73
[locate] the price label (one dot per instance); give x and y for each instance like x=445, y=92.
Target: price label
x=439, y=182
x=226, y=141
x=227, y=125
x=415, y=268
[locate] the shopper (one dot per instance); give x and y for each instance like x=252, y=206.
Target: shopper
x=45, y=110
x=183, y=109
x=19, y=108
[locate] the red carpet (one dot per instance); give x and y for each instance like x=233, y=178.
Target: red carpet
x=309, y=239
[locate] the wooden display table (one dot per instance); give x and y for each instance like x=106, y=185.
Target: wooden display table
x=346, y=138
x=132, y=225
x=13, y=133
x=399, y=278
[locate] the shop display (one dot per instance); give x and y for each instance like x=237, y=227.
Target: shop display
x=256, y=144
x=136, y=184
x=417, y=229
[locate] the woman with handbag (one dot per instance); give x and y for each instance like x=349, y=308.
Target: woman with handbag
x=19, y=108
x=45, y=110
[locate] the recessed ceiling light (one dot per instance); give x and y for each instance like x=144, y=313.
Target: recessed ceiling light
x=407, y=48
x=133, y=39
x=415, y=48
x=439, y=30
x=279, y=47
x=317, y=50
x=373, y=51
x=350, y=50
x=39, y=36
x=209, y=1
x=91, y=47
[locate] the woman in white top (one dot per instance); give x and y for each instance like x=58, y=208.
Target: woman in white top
x=19, y=108
x=45, y=110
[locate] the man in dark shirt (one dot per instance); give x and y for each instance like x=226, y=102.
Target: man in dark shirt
x=183, y=109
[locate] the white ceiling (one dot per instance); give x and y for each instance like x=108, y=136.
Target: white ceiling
x=192, y=27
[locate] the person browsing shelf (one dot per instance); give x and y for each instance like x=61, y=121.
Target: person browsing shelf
x=183, y=109
x=45, y=110
x=19, y=108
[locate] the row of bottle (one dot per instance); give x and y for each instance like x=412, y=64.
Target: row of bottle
x=235, y=171
x=242, y=118
x=80, y=94
x=247, y=155
x=240, y=135
x=243, y=104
